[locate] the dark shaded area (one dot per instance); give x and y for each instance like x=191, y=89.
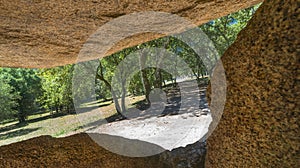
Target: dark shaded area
x=95, y=124
x=19, y=125
x=12, y=127
x=127, y=147
x=55, y=115
x=17, y=133
x=7, y=121
x=106, y=102
x=173, y=103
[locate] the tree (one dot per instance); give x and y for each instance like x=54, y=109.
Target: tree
x=8, y=99
x=144, y=76
x=57, y=89
x=223, y=31
x=105, y=72
x=26, y=84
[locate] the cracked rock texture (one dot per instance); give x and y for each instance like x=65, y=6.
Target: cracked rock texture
x=260, y=123
x=39, y=34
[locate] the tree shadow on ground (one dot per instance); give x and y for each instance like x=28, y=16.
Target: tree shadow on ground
x=50, y=116
x=125, y=146
x=56, y=115
x=19, y=125
x=12, y=127
x=95, y=124
x=17, y=133
x=194, y=100
x=142, y=110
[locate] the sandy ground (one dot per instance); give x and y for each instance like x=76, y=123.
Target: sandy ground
x=171, y=130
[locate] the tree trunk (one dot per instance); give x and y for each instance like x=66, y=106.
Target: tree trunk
x=117, y=104
x=123, y=107
x=158, y=78
x=145, y=80
x=114, y=97
x=21, y=117
x=56, y=109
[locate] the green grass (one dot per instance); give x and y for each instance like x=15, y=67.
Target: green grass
x=61, y=132
x=35, y=116
x=57, y=126
x=96, y=103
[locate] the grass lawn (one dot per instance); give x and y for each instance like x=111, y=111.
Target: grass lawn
x=59, y=126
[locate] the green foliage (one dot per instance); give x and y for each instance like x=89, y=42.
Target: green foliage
x=8, y=99
x=26, y=84
x=223, y=31
x=57, y=88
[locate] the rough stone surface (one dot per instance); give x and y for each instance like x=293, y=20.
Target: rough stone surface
x=39, y=34
x=260, y=123
x=191, y=156
x=81, y=151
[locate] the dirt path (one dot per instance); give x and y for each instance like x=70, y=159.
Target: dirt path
x=161, y=126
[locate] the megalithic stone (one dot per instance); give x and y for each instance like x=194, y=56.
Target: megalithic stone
x=40, y=34
x=260, y=123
